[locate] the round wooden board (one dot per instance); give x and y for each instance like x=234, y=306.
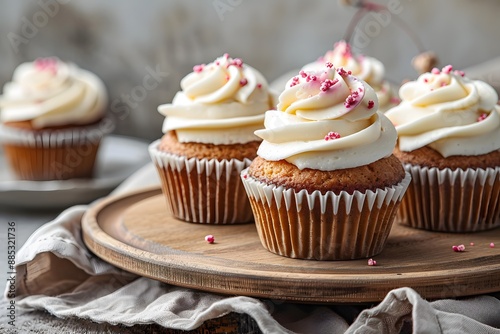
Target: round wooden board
x=136, y=232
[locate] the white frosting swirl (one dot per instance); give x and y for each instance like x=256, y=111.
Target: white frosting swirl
x=448, y=112
x=365, y=68
x=49, y=92
x=220, y=103
x=326, y=121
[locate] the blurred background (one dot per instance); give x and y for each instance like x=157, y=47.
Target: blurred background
x=127, y=42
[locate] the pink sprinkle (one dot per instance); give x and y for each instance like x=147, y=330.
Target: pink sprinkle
x=459, y=248
x=460, y=73
x=343, y=72
x=443, y=84
x=351, y=100
x=237, y=62
x=228, y=77
x=325, y=85
x=199, y=68
x=245, y=176
x=332, y=135
x=472, y=244
x=447, y=69
x=370, y=104
x=482, y=117
x=303, y=74
x=311, y=77
x=259, y=85
x=243, y=82
x=226, y=55
x=210, y=239
x=426, y=80
x=46, y=64
x=217, y=63
x=329, y=65
x=295, y=81
x=372, y=262
x=395, y=100
x=492, y=245
x=435, y=70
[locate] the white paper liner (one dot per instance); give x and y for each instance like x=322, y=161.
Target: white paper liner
x=451, y=201
x=55, y=138
x=323, y=226
x=203, y=190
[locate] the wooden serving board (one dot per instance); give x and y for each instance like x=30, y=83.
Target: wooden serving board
x=137, y=232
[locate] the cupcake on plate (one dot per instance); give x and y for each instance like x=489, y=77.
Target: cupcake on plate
x=209, y=138
x=325, y=184
x=368, y=69
x=52, y=119
x=449, y=140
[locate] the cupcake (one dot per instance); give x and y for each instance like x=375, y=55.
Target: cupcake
x=368, y=69
x=449, y=140
x=52, y=120
x=325, y=184
x=209, y=139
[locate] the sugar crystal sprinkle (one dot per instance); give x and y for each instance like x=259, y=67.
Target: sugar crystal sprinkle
x=332, y=135
x=210, y=239
x=372, y=262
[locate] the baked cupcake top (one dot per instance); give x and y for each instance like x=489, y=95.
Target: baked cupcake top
x=366, y=68
x=450, y=113
x=220, y=103
x=49, y=92
x=327, y=120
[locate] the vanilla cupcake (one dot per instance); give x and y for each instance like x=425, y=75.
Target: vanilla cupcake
x=325, y=184
x=449, y=140
x=368, y=69
x=209, y=139
x=52, y=119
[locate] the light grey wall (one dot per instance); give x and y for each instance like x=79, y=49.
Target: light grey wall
x=123, y=41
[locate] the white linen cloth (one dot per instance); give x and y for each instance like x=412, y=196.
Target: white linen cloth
x=86, y=287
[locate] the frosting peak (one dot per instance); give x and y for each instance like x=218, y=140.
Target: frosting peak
x=449, y=112
x=365, y=68
x=222, y=102
x=327, y=120
x=49, y=92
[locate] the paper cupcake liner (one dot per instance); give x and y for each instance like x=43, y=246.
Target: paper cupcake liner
x=53, y=154
x=451, y=201
x=323, y=226
x=203, y=190
x=73, y=136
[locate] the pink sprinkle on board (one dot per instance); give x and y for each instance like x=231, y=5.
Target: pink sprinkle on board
x=210, y=239
x=492, y=245
x=372, y=262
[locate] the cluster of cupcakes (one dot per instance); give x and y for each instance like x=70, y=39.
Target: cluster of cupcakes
x=324, y=169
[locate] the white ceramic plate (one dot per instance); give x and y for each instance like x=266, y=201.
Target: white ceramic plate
x=117, y=159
